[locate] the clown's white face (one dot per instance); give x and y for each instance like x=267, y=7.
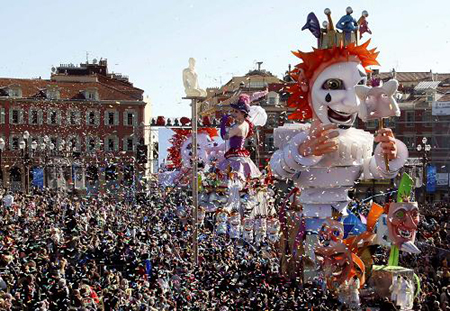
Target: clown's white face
x=203, y=145
x=333, y=93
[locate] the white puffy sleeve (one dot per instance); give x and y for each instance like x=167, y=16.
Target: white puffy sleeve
x=377, y=167
x=287, y=161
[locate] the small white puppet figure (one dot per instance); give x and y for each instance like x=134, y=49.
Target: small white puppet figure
x=260, y=230
x=221, y=221
x=235, y=225
x=402, y=299
x=354, y=285
x=409, y=294
x=394, y=288
x=247, y=233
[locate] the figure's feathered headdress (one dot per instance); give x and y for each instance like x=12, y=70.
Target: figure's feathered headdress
x=333, y=47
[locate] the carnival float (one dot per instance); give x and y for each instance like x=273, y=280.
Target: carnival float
x=233, y=194
x=324, y=155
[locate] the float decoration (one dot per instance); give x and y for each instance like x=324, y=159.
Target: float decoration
x=399, y=284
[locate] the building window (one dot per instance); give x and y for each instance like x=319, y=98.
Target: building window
x=274, y=98
x=110, y=144
x=257, y=84
x=73, y=118
x=110, y=118
x=130, y=118
x=15, y=116
x=410, y=142
x=130, y=142
x=73, y=143
x=53, y=117
x=110, y=173
x=34, y=117
x=15, y=91
x=91, y=144
x=410, y=118
x=427, y=118
x=2, y=115
x=269, y=142
x=91, y=94
x=52, y=93
x=91, y=118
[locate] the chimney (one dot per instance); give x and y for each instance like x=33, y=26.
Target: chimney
x=259, y=65
x=394, y=73
x=289, y=68
x=431, y=75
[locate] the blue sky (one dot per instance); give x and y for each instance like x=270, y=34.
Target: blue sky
x=151, y=41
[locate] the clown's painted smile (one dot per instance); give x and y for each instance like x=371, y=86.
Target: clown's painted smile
x=404, y=233
x=341, y=117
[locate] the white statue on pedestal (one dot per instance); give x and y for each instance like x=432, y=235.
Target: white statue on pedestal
x=190, y=81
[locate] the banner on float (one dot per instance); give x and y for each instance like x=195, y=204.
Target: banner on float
x=442, y=179
x=431, y=178
x=38, y=177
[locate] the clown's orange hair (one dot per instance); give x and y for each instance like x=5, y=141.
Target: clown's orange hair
x=312, y=62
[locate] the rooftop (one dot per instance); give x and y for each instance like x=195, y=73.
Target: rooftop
x=72, y=80
x=413, y=76
x=108, y=89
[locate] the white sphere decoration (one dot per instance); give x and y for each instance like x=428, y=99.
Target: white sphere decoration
x=327, y=11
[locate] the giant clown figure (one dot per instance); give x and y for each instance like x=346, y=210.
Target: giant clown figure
x=324, y=158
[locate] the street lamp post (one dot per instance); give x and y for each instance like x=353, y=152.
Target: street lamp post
x=2, y=146
x=46, y=147
x=424, y=148
x=23, y=145
x=62, y=159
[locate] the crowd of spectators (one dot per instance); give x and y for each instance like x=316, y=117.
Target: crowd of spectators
x=104, y=253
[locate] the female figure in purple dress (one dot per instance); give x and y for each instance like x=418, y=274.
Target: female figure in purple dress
x=237, y=158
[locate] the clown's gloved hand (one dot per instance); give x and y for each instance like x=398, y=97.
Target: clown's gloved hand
x=223, y=125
